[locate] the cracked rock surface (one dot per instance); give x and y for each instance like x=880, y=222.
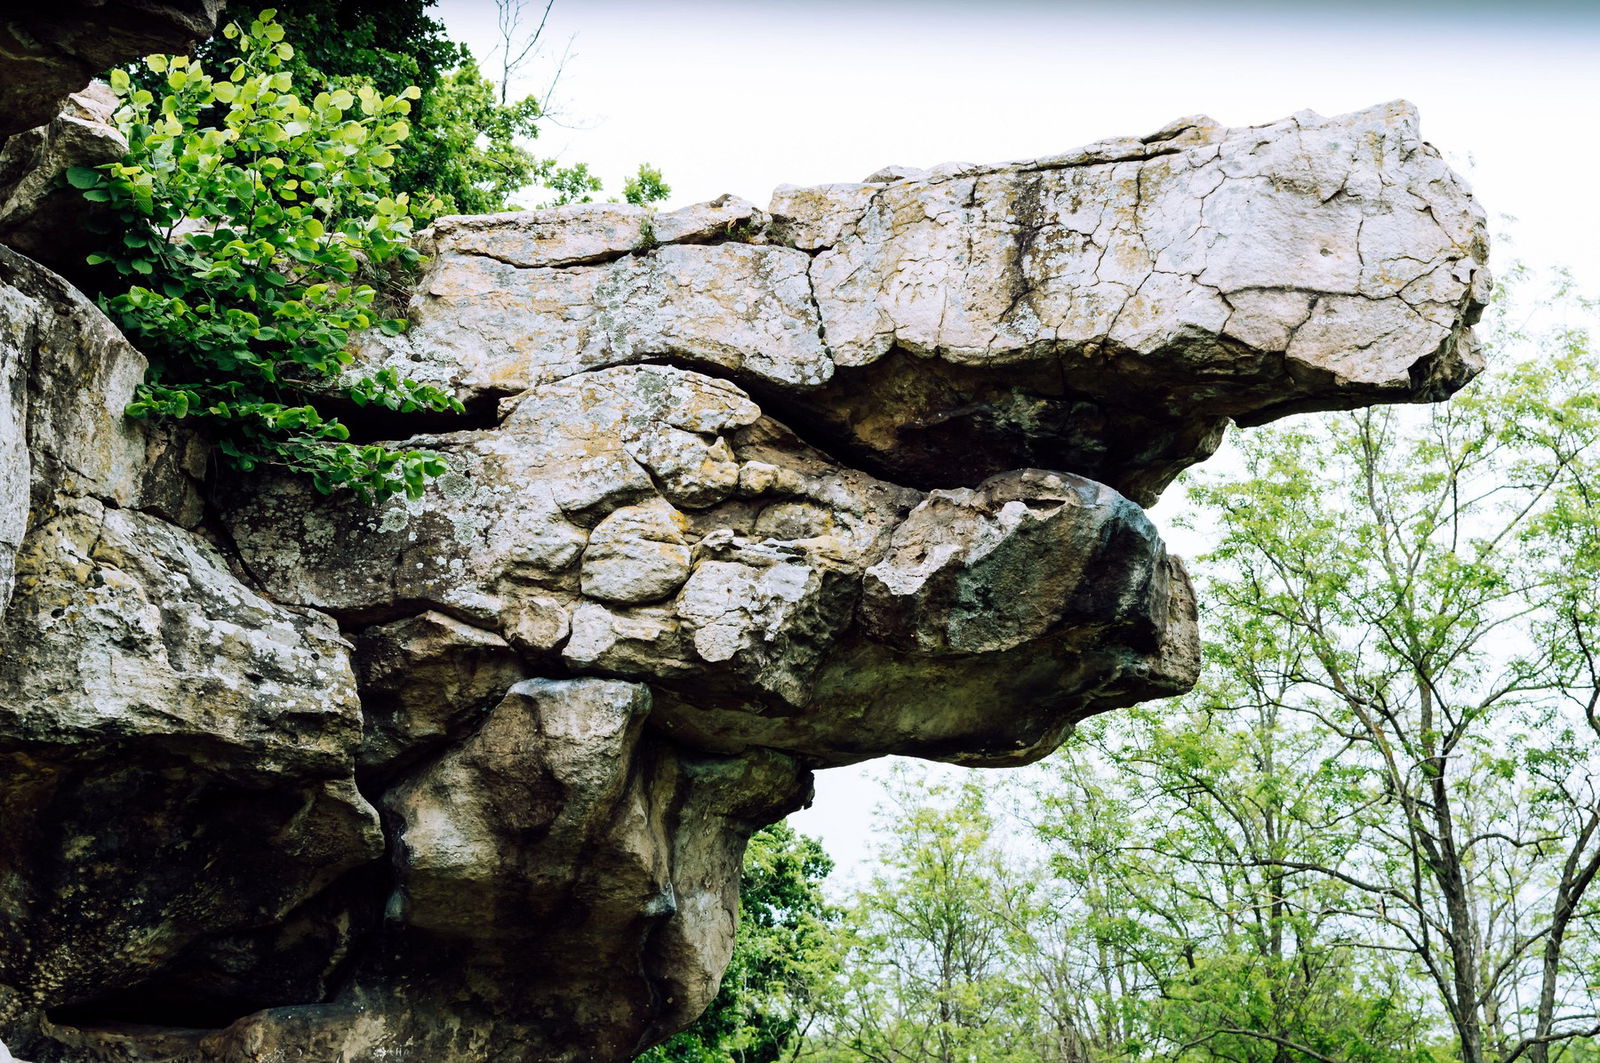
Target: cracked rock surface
x=741, y=493
x=1105, y=311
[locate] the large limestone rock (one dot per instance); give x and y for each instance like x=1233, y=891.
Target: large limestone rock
x=175, y=750
x=184, y=836
x=742, y=493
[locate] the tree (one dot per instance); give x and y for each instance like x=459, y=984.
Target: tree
x=1370, y=834
x=780, y=958
x=927, y=956
x=469, y=148
x=1168, y=826
x=250, y=224
x=1423, y=586
x=465, y=148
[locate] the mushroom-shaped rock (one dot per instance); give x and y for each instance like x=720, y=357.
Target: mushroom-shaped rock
x=741, y=493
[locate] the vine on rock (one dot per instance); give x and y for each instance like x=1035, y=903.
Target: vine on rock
x=251, y=223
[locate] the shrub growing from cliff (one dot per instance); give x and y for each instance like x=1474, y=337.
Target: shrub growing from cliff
x=253, y=224
x=470, y=145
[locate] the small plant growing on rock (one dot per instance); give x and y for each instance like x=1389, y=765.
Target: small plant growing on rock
x=251, y=223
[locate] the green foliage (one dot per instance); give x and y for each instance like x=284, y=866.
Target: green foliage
x=1189, y=938
x=1418, y=587
x=463, y=148
x=646, y=186
x=391, y=45
x=780, y=958
x=1370, y=835
x=250, y=222
x=468, y=152
x=933, y=948
x=571, y=184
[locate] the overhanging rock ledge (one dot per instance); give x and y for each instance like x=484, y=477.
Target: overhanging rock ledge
x=742, y=492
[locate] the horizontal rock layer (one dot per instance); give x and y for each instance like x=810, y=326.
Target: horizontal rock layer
x=1106, y=311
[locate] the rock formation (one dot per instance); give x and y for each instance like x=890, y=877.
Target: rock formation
x=741, y=493
x=42, y=215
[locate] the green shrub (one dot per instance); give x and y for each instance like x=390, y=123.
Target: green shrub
x=251, y=225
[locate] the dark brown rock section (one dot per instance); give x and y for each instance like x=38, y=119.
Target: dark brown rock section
x=48, y=50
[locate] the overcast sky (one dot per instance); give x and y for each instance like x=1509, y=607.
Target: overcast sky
x=740, y=97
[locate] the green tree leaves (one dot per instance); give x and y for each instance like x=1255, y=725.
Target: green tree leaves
x=1371, y=834
x=251, y=224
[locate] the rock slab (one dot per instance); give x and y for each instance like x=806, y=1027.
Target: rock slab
x=1106, y=311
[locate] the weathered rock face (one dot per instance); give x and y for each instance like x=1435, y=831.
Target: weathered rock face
x=40, y=214
x=174, y=748
x=50, y=50
x=743, y=493
x=1105, y=311
x=648, y=522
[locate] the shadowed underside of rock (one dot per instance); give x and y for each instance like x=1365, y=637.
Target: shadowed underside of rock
x=50, y=50
x=745, y=493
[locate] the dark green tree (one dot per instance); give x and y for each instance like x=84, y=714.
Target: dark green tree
x=387, y=45
x=390, y=44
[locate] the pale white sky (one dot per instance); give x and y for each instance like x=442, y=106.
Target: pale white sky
x=740, y=97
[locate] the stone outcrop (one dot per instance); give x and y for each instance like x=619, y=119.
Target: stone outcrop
x=1106, y=311
x=41, y=215
x=49, y=50
x=741, y=493
x=174, y=766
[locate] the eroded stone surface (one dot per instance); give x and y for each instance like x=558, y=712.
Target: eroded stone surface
x=773, y=617
x=177, y=801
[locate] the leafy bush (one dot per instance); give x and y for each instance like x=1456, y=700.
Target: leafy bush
x=470, y=145
x=252, y=222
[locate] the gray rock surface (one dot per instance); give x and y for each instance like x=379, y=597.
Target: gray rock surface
x=40, y=214
x=468, y=778
x=1105, y=311
x=654, y=526
x=176, y=751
